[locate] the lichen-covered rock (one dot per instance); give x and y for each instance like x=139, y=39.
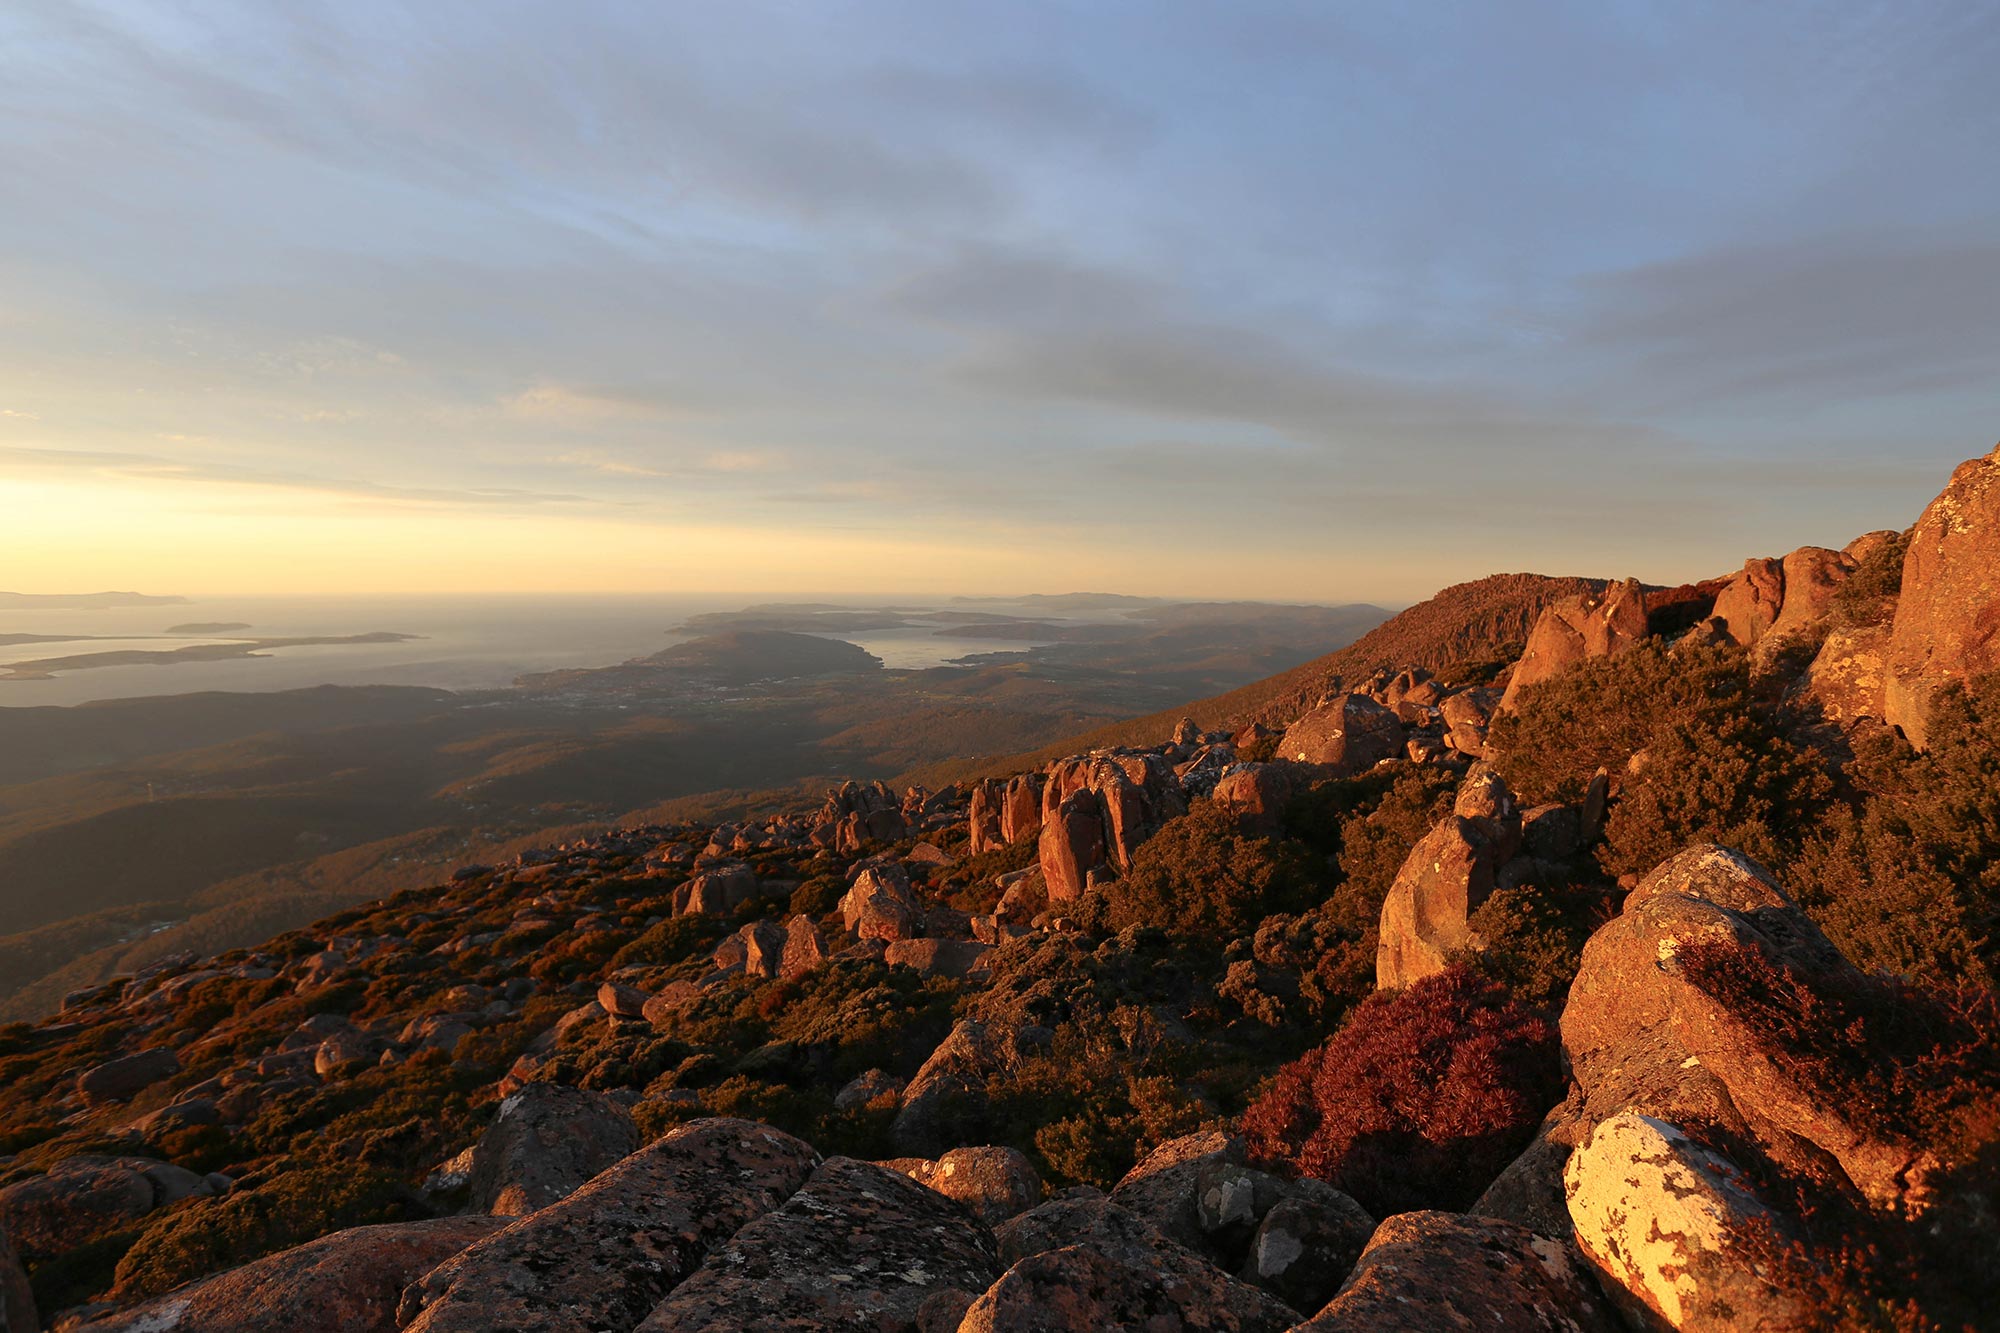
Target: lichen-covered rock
x=603, y=1257
x=349, y=1280
x=1640, y=1036
x=1347, y=734
x=1947, y=625
x=1672, y=1227
x=1429, y=1272
x=545, y=1142
x=1119, y=1271
x=943, y=958
x=1165, y=1189
x=804, y=949
x=1849, y=676
x=1307, y=1243
x=1254, y=793
x=859, y=1247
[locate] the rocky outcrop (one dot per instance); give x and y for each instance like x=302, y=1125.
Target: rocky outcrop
x=545, y=1142
x=983, y=819
x=1344, y=735
x=1672, y=1228
x=1021, y=808
x=1423, y=1272
x=607, y=1254
x=1579, y=628
x=858, y=1247
x=1748, y=606
x=1947, y=625
x=1072, y=844
x=1772, y=602
x=1849, y=677
x=1096, y=811
x=350, y=1280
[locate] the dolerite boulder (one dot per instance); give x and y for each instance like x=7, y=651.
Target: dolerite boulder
x=858, y=1248
x=17, y=1299
x=1947, y=625
x=881, y=905
x=127, y=1076
x=1849, y=677
x=605, y=1256
x=1345, y=735
x=1306, y=1245
x=1426, y=1272
x=1255, y=794
x=546, y=1141
x=957, y=1070
x=992, y=1183
x=804, y=949
x=1673, y=1228
x=1642, y=1037
x=82, y=1197
x=350, y=1280
x=1087, y=1264
x=1578, y=628
x=1165, y=1188
x=1444, y=879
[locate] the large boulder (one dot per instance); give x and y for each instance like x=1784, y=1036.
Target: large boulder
x=716, y=892
x=1947, y=625
x=606, y=1255
x=1445, y=878
x=1672, y=1229
x=1255, y=794
x=983, y=816
x=1165, y=1188
x=80, y=1199
x=1578, y=628
x=882, y=906
x=1345, y=735
x=127, y=1076
x=349, y=1280
x=1306, y=1245
x=858, y=1247
x=1086, y=1264
x=993, y=1183
x=1423, y=1272
x=546, y=1141
x=957, y=1070
x=1640, y=1036
x=1849, y=677
x=804, y=949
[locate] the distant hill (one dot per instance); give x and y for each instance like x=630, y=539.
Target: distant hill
x=743, y=655
x=1476, y=626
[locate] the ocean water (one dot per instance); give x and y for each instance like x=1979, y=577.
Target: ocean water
x=465, y=643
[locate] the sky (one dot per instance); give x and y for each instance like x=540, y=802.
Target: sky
x=1330, y=302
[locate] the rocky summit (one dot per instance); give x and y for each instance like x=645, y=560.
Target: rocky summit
x=1638, y=977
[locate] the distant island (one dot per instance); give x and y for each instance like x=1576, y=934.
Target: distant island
x=81, y=601
x=208, y=627
x=42, y=668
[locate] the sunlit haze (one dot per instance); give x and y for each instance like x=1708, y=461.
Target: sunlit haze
x=1272, y=301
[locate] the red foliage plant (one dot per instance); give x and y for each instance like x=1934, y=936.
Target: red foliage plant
x=1419, y=1101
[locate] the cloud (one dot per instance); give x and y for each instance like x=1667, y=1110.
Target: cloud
x=152, y=468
